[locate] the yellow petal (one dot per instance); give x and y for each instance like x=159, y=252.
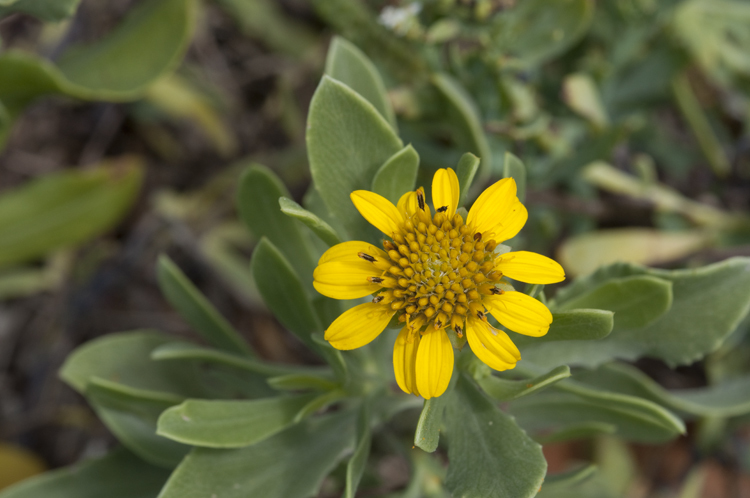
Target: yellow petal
x=434, y=363
x=445, y=191
x=497, y=212
x=378, y=211
x=358, y=326
x=520, y=313
x=530, y=267
x=405, y=360
x=345, y=280
x=408, y=204
x=348, y=251
x=491, y=345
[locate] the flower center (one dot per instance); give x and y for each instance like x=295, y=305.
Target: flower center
x=437, y=272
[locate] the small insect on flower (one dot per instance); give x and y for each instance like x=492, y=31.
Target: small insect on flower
x=437, y=273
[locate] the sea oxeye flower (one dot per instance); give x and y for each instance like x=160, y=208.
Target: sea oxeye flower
x=439, y=274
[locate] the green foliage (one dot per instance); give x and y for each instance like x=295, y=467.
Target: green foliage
x=120, y=474
x=484, y=441
x=505, y=389
x=47, y=10
x=230, y=424
x=258, y=204
x=65, y=209
x=322, y=229
x=349, y=65
x=397, y=175
x=117, y=68
x=291, y=464
x=707, y=305
x=196, y=309
x=347, y=142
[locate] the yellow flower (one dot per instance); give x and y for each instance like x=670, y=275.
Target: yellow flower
x=437, y=272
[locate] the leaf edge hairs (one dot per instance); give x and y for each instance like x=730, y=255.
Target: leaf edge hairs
x=441, y=276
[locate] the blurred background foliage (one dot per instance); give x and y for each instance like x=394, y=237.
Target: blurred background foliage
x=125, y=125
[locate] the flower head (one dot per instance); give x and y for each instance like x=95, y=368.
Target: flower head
x=437, y=274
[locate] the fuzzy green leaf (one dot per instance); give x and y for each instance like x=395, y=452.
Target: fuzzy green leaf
x=197, y=310
x=514, y=168
x=635, y=301
x=708, y=304
x=427, y=435
x=506, y=389
x=728, y=399
x=119, y=474
x=397, y=175
x=230, y=424
x=291, y=464
x=489, y=454
x=125, y=358
x=322, y=229
x=356, y=466
x=576, y=325
x=465, y=171
x=349, y=65
x=131, y=415
x=65, y=209
x=347, y=142
x=635, y=418
x=258, y=203
x=119, y=67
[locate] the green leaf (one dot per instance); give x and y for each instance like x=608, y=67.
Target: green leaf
x=465, y=171
x=356, y=465
x=636, y=301
x=131, y=415
x=65, y=209
x=176, y=351
x=322, y=229
x=489, y=454
x=536, y=31
x=119, y=474
x=197, y=310
x=427, y=435
x=636, y=419
x=582, y=96
x=283, y=292
x=506, y=389
x=46, y=10
x=182, y=100
x=124, y=358
x=582, y=430
x=349, y=65
x=727, y=399
x=708, y=304
x=291, y=464
x=514, y=168
x=559, y=482
x=398, y=175
x=464, y=114
x=116, y=68
x=258, y=203
x=296, y=382
x=230, y=424
x=576, y=325
x=347, y=142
